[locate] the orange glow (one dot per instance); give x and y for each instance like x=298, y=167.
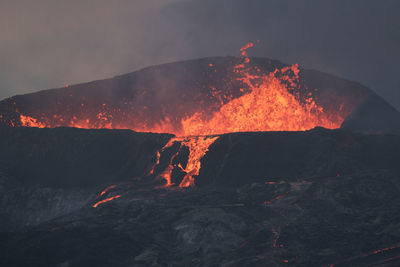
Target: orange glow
x=272, y=104
x=31, y=122
x=198, y=147
x=157, y=162
x=243, y=50
x=106, y=190
x=269, y=106
x=166, y=174
x=105, y=200
x=276, y=198
x=102, y=121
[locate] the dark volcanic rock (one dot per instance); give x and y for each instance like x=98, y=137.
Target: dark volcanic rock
x=310, y=198
x=240, y=158
x=48, y=172
x=77, y=157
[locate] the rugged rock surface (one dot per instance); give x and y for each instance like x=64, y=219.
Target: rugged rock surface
x=310, y=198
x=49, y=172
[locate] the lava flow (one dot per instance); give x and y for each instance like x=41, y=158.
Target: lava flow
x=198, y=147
x=105, y=200
x=31, y=122
x=106, y=190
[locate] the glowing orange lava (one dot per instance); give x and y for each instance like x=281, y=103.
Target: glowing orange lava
x=31, y=122
x=198, y=147
x=271, y=105
x=106, y=190
x=105, y=200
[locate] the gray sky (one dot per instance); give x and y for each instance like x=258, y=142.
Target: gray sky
x=48, y=43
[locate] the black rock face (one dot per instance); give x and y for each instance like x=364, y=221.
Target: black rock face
x=241, y=158
x=311, y=198
x=49, y=172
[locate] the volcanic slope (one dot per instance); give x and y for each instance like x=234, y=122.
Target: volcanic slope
x=310, y=198
x=159, y=98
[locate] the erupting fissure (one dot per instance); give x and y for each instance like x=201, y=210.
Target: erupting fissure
x=268, y=102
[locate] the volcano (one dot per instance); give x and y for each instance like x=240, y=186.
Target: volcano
x=208, y=96
x=231, y=161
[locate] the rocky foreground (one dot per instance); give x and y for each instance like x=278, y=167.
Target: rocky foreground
x=313, y=198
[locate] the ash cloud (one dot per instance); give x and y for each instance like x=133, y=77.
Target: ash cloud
x=46, y=43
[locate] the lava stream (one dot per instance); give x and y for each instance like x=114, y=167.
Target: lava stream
x=106, y=190
x=198, y=147
x=105, y=200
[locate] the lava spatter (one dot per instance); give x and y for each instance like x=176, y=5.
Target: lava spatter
x=31, y=122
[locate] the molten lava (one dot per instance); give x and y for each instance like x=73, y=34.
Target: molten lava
x=31, y=122
x=105, y=200
x=198, y=147
x=106, y=190
x=269, y=106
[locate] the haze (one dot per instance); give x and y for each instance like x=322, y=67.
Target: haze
x=47, y=44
